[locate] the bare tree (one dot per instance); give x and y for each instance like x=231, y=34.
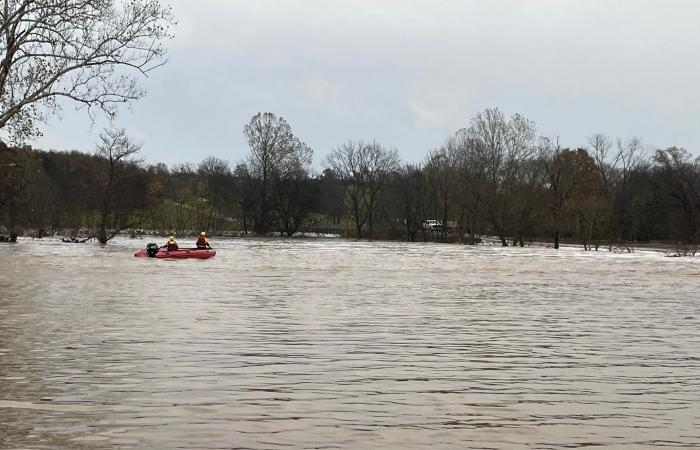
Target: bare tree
x=631, y=155
x=572, y=181
x=405, y=203
x=117, y=181
x=275, y=153
x=294, y=199
x=679, y=180
x=86, y=51
x=440, y=171
x=346, y=163
x=503, y=146
x=13, y=184
x=364, y=169
x=600, y=146
x=527, y=197
x=471, y=179
x=607, y=164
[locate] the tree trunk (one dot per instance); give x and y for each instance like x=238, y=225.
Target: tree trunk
x=102, y=236
x=444, y=219
x=370, y=225
x=13, y=232
x=261, y=225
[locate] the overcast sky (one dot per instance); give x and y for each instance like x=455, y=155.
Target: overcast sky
x=408, y=73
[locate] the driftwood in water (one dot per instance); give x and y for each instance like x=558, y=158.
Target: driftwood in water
x=75, y=240
x=686, y=250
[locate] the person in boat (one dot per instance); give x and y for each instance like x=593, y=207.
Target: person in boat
x=202, y=241
x=171, y=245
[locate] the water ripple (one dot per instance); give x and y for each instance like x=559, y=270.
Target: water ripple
x=282, y=344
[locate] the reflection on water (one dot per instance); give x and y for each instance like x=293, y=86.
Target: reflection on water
x=332, y=344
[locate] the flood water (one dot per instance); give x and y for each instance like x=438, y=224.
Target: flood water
x=335, y=344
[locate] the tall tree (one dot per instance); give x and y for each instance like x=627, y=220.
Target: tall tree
x=471, y=179
x=607, y=165
x=441, y=171
x=15, y=179
x=405, y=204
x=678, y=178
x=572, y=181
x=295, y=195
x=504, y=145
x=331, y=196
x=121, y=186
x=364, y=169
x=245, y=194
x=89, y=52
x=599, y=150
x=275, y=152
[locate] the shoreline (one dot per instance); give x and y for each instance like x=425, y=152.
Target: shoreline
x=669, y=249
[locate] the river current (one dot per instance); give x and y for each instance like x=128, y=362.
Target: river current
x=291, y=344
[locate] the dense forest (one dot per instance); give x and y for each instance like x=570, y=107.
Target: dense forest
x=495, y=178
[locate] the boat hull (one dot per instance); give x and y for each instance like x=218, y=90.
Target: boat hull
x=184, y=253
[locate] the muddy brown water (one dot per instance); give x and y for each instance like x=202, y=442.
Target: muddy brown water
x=279, y=344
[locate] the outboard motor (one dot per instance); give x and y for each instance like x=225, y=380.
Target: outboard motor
x=152, y=249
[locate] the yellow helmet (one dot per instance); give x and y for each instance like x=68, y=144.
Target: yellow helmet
x=202, y=233
x=171, y=238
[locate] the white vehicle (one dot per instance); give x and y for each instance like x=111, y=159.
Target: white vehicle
x=432, y=225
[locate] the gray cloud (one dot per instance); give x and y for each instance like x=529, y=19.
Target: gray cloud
x=408, y=73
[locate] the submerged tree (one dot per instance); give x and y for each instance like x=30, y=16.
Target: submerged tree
x=678, y=179
x=364, y=169
x=440, y=170
x=295, y=195
x=405, y=204
x=121, y=186
x=15, y=179
x=245, y=194
x=573, y=183
x=503, y=147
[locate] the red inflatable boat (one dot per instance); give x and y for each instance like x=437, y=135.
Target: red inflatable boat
x=153, y=251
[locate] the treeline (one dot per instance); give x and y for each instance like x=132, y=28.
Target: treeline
x=496, y=177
